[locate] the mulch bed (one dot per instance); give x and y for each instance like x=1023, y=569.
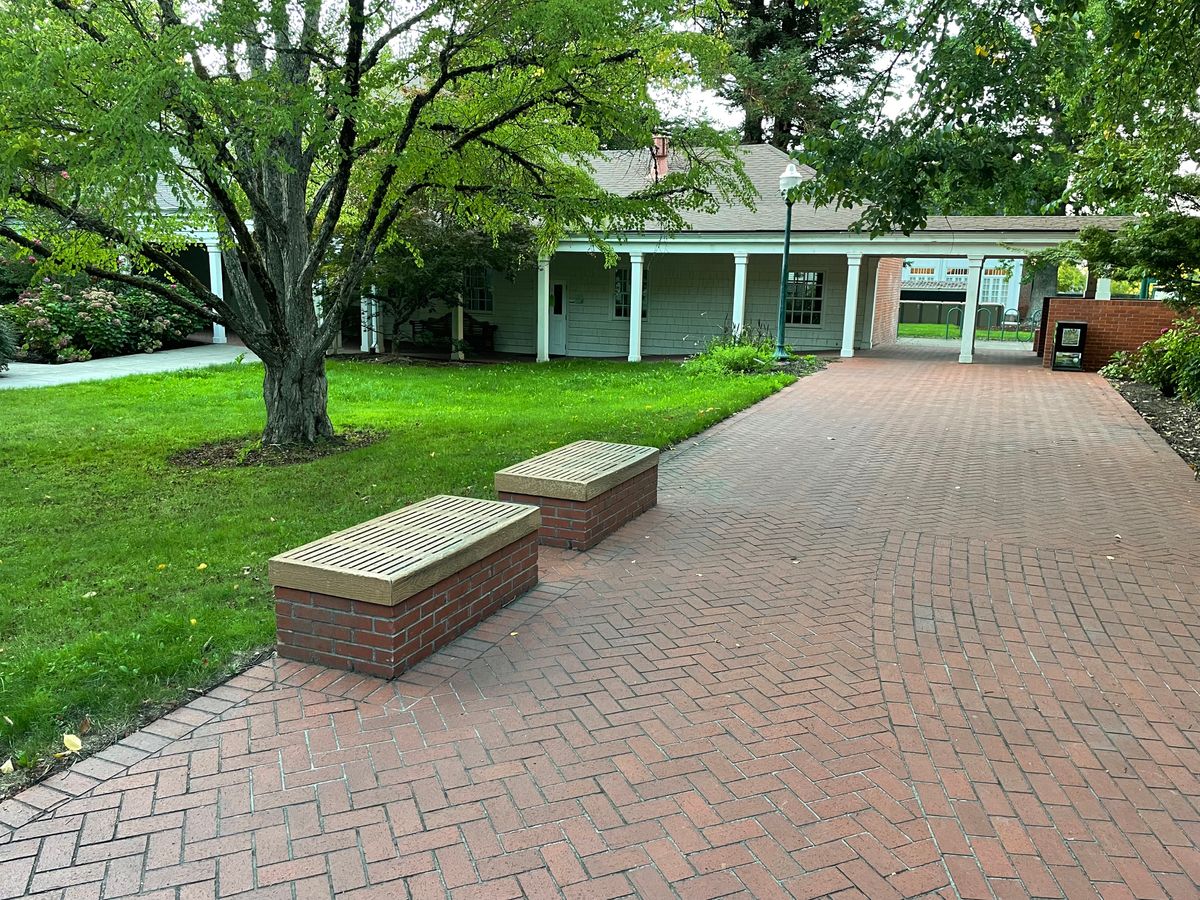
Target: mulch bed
x=248, y=451
x=1178, y=422
x=805, y=365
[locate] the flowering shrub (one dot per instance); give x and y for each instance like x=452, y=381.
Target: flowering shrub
x=1170, y=362
x=56, y=326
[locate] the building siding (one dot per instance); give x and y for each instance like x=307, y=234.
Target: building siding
x=514, y=311
x=688, y=300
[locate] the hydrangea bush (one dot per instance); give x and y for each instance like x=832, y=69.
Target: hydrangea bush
x=54, y=325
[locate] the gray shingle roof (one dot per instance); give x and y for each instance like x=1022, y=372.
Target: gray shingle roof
x=626, y=171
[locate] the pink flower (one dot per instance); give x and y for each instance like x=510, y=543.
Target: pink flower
x=64, y=174
x=30, y=259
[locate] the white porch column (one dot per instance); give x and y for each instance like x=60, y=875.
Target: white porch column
x=543, y=309
x=739, y=291
x=1103, y=288
x=216, y=284
x=853, y=267
x=1014, y=284
x=966, y=351
x=367, y=322
x=456, y=332
x=635, y=307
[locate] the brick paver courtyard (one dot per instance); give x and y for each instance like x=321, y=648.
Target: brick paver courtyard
x=908, y=627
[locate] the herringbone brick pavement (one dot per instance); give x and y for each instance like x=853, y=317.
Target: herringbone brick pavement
x=907, y=628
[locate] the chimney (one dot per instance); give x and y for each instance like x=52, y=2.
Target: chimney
x=658, y=164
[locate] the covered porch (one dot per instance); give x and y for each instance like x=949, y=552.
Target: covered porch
x=669, y=294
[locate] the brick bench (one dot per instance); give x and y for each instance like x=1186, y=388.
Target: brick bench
x=586, y=490
x=380, y=596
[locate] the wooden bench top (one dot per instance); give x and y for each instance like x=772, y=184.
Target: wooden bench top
x=578, y=471
x=388, y=559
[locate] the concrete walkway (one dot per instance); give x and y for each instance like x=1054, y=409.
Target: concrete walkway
x=908, y=628
x=22, y=375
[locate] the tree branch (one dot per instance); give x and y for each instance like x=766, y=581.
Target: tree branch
x=377, y=48
x=81, y=23
x=347, y=136
x=114, y=235
x=137, y=281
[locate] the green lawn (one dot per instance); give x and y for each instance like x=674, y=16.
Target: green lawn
x=931, y=330
x=125, y=580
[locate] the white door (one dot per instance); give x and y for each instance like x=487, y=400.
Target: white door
x=558, y=320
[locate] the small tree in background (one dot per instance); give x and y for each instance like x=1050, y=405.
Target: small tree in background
x=433, y=257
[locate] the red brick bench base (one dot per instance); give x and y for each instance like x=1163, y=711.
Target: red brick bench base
x=378, y=597
x=382, y=640
x=581, y=524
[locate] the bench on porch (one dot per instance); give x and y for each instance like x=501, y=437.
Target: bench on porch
x=586, y=490
x=380, y=596
x=479, y=335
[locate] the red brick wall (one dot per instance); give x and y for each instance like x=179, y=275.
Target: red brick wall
x=381, y=640
x=579, y=524
x=887, y=302
x=1112, y=325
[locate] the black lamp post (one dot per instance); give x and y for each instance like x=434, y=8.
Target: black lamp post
x=788, y=182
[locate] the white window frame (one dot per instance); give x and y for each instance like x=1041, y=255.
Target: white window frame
x=477, y=290
x=623, y=291
x=800, y=304
x=993, y=289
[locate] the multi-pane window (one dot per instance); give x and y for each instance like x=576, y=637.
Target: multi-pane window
x=622, y=293
x=477, y=290
x=956, y=272
x=921, y=270
x=806, y=293
x=994, y=289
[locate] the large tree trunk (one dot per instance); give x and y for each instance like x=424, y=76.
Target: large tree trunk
x=296, y=394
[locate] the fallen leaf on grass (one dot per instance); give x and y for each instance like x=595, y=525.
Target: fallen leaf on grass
x=72, y=742
x=7, y=768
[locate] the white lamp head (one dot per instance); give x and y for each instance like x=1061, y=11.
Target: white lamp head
x=790, y=179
